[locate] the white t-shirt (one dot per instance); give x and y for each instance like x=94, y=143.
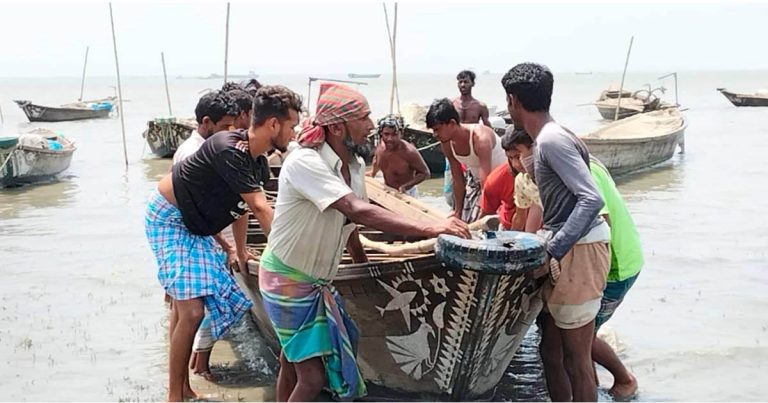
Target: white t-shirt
x=306, y=234
x=188, y=147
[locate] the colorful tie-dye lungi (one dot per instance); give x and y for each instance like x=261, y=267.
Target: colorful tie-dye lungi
x=309, y=319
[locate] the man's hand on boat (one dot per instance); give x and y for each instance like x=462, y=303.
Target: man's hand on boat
x=241, y=263
x=453, y=226
x=362, y=212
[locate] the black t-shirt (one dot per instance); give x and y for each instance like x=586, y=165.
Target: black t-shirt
x=208, y=184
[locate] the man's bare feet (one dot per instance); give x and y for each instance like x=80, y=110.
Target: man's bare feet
x=624, y=390
x=190, y=394
x=202, y=365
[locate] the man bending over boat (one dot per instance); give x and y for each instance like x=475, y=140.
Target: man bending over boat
x=499, y=191
x=626, y=261
x=322, y=195
x=399, y=161
x=577, y=253
x=201, y=196
x=474, y=145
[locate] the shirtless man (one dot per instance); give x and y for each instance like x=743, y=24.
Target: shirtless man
x=399, y=161
x=470, y=110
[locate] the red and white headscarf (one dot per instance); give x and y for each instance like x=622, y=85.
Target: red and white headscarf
x=335, y=104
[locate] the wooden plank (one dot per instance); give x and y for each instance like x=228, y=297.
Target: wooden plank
x=400, y=203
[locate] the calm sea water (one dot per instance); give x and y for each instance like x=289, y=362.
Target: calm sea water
x=81, y=313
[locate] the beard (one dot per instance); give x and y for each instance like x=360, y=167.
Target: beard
x=358, y=150
x=278, y=147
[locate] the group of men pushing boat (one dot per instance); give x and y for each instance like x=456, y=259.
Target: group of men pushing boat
x=538, y=177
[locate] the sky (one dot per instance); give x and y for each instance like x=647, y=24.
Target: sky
x=49, y=39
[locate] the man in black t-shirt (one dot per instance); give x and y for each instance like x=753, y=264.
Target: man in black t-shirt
x=202, y=195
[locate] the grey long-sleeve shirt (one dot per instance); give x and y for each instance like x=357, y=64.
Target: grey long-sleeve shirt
x=569, y=197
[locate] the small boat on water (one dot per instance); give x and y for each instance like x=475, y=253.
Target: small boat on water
x=629, y=103
x=165, y=135
x=760, y=98
x=428, y=330
x=94, y=109
x=32, y=157
x=357, y=75
x=638, y=141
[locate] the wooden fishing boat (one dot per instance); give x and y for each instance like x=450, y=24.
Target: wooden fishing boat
x=428, y=147
x=427, y=331
x=75, y=111
x=32, y=157
x=758, y=99
x=165, y=135
x=632, y=104
x=639, y=141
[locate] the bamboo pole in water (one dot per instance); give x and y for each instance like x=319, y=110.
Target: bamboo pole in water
x=119, y=85
x=82, y=82
x=624, y=74
x=226, y=46
x=165, y=77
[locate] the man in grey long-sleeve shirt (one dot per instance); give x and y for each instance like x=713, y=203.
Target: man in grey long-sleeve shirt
x=578, y=254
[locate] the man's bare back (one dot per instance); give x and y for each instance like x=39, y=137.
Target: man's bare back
x=403, y=167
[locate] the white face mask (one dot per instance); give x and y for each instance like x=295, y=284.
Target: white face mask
x=527, y=163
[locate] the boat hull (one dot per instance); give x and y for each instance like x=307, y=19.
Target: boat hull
x=38, y=113
x=608, y=112
x=427, y=331
x=623, y=156
x=744, y=99
x=164, y=138
x=27, y=165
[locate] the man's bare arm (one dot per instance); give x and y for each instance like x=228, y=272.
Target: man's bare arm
x=457, y=177
x=483, y=145
x=362, y=212
x=419, y=166
x=257, y=202
x=484, y=114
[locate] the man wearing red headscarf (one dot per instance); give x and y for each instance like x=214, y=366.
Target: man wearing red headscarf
x=322, y=197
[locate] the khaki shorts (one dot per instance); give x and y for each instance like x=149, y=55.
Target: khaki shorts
x=573, y=299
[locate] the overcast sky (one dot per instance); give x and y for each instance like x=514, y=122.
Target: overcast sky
x=50, y=39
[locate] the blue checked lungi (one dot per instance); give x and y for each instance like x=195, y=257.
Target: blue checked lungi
x=192, y=266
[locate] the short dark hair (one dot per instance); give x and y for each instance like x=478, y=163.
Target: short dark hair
x=251, y=86
x=513, y=137
x=215, y=105
x=531, y=84
x=466, y=74
x=274, y=101
x=232, y=86
x=243, y=100
x=441, y=111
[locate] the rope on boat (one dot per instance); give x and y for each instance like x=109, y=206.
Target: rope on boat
x=427, y=147
x=486, y=223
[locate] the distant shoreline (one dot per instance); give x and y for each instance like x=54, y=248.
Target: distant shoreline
x=344, y=74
